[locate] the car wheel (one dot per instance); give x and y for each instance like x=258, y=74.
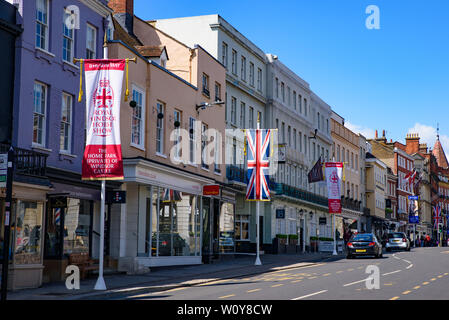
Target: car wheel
x=388, y=250
x=349, y=256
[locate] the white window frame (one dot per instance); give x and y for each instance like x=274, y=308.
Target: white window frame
x=160, y=108
x=242, y=114
x=243, y=219
x=91, y=27
x=43, y=115
x=243, y=68
x=234, y=62
x=192, y=141
x=67, y=123
x=139, y=90
x=71, y=40
x=45, y=25
x=177, y=116
x=224, y=54
x=251, y=74
x=234, y=110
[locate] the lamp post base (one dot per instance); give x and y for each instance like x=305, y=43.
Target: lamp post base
x=258, y=262
x=100, y=285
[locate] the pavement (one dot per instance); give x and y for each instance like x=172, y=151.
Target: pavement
x=166, y=278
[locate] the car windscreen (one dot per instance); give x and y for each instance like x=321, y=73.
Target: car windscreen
x=395, y=235
x=362, y=237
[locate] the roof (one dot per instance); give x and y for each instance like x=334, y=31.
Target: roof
x=439, y=154
x=151, y=51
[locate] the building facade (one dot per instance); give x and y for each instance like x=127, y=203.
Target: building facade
x=245, y=100
x=295, y=202
x=349, y=148
x=61, y=216
x=169, y=219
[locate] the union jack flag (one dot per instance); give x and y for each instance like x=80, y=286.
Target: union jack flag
x=258, y=146
x=171, y=195
x=437, y=215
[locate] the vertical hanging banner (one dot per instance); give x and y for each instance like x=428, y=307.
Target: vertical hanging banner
x=102, y=158
x=333, y=172
x=258, y=146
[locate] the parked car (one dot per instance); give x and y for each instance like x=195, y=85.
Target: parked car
x=397, y=241
x=364, y=244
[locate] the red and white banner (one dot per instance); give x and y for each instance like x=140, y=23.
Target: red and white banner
x=102, y=158
x=334, y=172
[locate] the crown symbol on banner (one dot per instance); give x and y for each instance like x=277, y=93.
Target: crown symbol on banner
x=104, y=83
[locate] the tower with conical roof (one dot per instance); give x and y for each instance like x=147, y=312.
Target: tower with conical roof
x=438, y=152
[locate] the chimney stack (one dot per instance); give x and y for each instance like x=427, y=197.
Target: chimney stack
x=412, y=143
x=124, y=13
x=376, y=134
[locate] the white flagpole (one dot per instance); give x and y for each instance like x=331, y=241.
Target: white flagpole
x=258, y=262
x=334, y=227
x=100, y=285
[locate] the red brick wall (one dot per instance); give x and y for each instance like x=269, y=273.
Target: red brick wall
x=122, y=6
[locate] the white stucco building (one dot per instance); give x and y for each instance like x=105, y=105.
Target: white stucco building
x=245, y=104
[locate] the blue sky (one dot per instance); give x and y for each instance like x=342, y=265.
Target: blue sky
x=394, y=79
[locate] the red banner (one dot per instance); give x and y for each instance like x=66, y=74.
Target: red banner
x=102, y=158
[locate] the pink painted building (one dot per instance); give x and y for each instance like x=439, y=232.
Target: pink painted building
x=175, y=89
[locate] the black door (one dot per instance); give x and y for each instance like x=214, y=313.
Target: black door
x=207, y=243
x=261, y=232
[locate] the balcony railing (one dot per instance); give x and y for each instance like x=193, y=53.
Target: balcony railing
x=282, y=189
x=235, y=173
x=27, y=162
x=350, y=204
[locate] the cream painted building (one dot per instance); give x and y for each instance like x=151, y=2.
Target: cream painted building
x=348, y=148
x=376, y=189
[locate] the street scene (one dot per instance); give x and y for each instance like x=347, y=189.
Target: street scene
x=194, y=152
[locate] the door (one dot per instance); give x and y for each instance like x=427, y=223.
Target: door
x=261, y=232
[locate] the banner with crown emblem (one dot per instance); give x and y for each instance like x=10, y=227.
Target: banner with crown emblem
x=333, y=172
x=102, y=158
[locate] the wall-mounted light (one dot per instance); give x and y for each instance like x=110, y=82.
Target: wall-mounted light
x=133, y=104
x=177, y=124
x=204, y=105
x=160, y=115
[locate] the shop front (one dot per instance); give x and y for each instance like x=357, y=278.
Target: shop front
x=167, y=219
x=71, y=211
x=26, y=235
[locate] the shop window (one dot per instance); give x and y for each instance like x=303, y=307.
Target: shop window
x=27, y=232
x=241, y=228
x=226, y=240
x=77, y=226
x=175, y=224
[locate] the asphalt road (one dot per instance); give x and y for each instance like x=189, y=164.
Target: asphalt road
x=422, y=273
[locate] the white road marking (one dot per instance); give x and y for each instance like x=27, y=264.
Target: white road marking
x=406, y=261
x=350, y=284
x=309, y=295
x=386, y=274
x=409, y=266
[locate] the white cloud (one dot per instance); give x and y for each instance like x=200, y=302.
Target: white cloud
x=428, y=134
x=366, y=132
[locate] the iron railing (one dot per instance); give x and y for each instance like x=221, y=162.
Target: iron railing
x=27, y=162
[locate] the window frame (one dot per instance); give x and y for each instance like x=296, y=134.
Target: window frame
x=43, y=115
x=160, y=128
x=71, y=40
x=45, y=24
x=69, y=123
x=91, y=27
x=139, y=90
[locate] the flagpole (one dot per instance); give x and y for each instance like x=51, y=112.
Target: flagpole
x=101, y=285
x=334, y=227
x=258, y=262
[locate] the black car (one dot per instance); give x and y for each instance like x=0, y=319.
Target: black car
x=364, y=244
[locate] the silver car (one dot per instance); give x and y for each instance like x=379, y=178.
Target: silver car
x=397, y=241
